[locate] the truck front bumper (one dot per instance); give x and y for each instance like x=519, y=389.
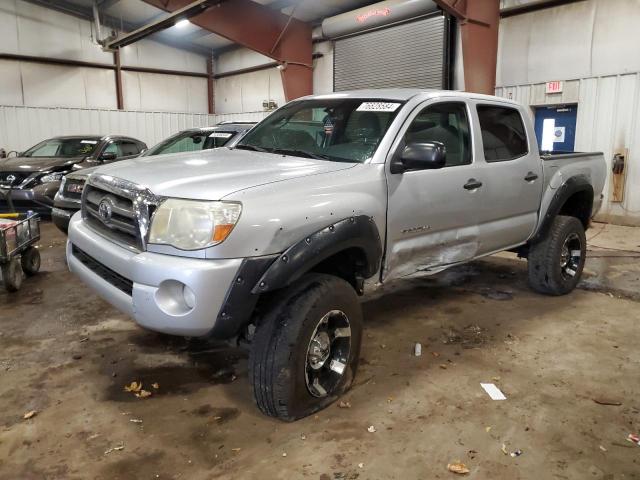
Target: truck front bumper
x=165, y=293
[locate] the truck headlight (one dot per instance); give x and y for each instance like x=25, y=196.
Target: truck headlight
x=192, y=224
x=51, y=177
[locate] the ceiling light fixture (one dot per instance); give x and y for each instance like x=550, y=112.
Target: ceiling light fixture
x=182, y=23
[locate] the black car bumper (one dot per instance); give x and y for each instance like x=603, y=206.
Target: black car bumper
x=37, y=199
x=63, y=210
x=61, y=217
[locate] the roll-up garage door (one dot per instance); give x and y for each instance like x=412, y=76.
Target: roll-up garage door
x=410, y=55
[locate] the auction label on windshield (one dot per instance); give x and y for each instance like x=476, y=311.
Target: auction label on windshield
x=220, y=135
x=378, y=107
x=92, y=142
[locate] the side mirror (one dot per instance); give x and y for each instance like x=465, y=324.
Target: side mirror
x=420, y=156
x=108, y=156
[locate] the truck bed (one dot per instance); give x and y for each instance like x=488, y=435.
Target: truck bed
x=560, y=166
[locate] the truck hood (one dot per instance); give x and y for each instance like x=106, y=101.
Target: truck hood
x=214, y=174
x=36, y=164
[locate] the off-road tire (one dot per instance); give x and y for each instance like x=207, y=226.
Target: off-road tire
x=278, y=358
x=30, y=261
x=11, y=275
x=545, y=271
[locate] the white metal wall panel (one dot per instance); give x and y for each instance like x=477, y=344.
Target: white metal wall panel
x=150, y=54
x=21, y=127
x=172, y=93
x=608, y=120
x=406, y=55
x=586, y=39
x=40, y=31
x=239, y=59
x=246, y=92
x=10, y=83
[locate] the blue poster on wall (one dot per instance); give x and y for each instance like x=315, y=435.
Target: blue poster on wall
x=555, y=128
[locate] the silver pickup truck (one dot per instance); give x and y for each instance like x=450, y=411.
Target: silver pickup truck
x=274, y=239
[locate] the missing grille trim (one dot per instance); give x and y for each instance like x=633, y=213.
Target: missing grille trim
x=121, y=283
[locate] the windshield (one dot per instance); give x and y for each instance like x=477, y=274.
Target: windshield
x=190, y=141
x=63, y=147
x=338, y=129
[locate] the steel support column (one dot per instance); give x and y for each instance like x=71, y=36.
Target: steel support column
x=479, y=21
x=118, y=76
x=264, y=30
x=211, y=102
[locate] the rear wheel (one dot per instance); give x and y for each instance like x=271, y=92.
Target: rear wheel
x=30, y=261
x=306, y=347
x=556, y=263
x=11, y=275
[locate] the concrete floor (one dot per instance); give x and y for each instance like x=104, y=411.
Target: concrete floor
x=67, y=355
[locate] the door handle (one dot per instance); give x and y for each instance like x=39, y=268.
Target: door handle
x=530, y=177
x=472, y=184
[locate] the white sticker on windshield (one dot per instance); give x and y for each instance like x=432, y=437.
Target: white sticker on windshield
x=220, y=135
x=92, y=142
x=377, y=107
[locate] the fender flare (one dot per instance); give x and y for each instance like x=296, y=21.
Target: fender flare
x=573, y=185
x=258, y=275
x=352, y=232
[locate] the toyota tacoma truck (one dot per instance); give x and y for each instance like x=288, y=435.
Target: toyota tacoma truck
x=272, y=240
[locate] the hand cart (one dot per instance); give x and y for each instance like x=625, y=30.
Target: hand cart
x=18, y=235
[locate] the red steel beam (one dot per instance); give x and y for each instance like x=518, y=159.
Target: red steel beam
x=479, y=21
x=264, y=30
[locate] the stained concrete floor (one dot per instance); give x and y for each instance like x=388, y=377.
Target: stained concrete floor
x=67, y=355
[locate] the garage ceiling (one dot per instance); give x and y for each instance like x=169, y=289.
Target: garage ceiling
x=127, y=15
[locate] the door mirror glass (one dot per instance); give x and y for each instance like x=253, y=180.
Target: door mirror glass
x=108, y=156
x=421, y=156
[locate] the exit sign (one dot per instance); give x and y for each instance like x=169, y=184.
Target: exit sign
x=554, y=87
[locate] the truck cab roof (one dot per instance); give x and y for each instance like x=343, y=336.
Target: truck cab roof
x=404, y=94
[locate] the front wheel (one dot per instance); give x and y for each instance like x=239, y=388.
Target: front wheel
x=306, y=347
x=556, y=263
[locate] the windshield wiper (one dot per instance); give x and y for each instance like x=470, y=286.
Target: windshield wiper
x=301, y=153
x=251, y=147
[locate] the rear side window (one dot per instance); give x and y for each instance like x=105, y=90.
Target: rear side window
x=129, y=148
x=503, y=134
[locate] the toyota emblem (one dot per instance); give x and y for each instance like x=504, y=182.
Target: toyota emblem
x=105, y=210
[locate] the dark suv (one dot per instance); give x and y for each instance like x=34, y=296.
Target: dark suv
x=33, y=177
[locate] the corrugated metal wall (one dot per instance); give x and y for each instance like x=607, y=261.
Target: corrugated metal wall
x=22, y=127
x=608, y=120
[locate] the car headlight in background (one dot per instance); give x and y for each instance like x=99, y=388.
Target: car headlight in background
x=52, y=177
x=192, y=224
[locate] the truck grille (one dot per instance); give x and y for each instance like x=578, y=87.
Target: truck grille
x=118, y=209
x=121, y=283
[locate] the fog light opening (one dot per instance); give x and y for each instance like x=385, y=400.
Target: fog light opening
x=175, y=298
